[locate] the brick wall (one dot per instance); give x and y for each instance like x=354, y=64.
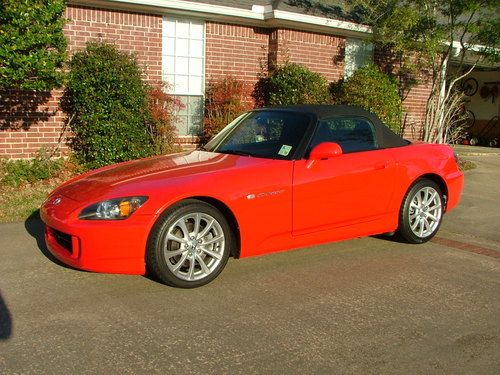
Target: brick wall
x=414, y=108
x=239, y=51
x=319, y=52
x=416, y=100
x=132, y=32
x=245, y=51
x=30, y=121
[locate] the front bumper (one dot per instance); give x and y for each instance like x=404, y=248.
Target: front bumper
x=95, y=245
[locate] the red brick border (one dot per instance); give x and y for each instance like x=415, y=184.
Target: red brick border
x=467, y=247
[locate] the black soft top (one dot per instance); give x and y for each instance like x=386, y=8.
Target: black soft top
x=386, y=138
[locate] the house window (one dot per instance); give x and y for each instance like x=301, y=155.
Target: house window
x=183, y=68
x=358, y=53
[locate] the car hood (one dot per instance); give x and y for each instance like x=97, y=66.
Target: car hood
x=152, y=170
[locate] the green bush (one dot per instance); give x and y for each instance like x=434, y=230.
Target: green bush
x=17, y=172
x=32, y=44
x=373, y=90
x=108, y=103
x=292, y=84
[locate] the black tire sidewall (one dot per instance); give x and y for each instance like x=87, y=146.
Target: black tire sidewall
x=155, y=259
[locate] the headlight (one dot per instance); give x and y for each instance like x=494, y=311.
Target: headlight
x=112, y=209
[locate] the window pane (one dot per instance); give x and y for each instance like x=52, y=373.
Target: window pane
x=190, y=118
x=194, y=125
x=195, y=66
x=196, y=48
x=169, y=65
x=182, y=47
x=170, y=80
x=169, y=26
x=182, y=65
x=169, y=46
x=196, y=105
x=195, y=85
x=181, y=125
x=196, y=30
x=181, y=84
x=182, y=30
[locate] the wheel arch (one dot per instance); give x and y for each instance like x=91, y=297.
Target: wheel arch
x=219, y=205
x=436, y=179
x=230, y=217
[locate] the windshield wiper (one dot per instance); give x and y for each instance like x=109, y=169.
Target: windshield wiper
x=236, y=152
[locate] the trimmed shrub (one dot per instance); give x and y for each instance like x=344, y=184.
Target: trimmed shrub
x=292, y=84
x=372, y=90
x=108, y=102
x=225, y=99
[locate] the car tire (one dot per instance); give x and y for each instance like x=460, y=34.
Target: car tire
x=421, y=213
x=189, y=245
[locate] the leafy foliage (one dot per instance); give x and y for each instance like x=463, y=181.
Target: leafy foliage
x=109, y=104
x=292, y=84
x=18, y=172
x=226, y=99
x=162, y=107
x=32, y=44
x=373, y=90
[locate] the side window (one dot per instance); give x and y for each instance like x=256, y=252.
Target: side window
x=353, y=134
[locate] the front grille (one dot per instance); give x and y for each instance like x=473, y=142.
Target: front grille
x=63, y=239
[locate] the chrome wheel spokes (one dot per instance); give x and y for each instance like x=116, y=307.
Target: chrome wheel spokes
x=425, y=212
x=194, y=246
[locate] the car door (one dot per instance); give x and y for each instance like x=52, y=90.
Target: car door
x=347, y=189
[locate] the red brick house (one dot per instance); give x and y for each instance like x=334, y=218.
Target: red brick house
x=187, y=43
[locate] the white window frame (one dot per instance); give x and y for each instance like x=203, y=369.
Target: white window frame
x=185, y=94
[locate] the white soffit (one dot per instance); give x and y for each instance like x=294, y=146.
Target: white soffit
x=259, y=15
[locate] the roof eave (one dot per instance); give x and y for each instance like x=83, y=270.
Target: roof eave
x=472, y=56
x=261, y=16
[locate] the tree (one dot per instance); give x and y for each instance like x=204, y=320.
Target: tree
x=428, y=36
x=32, y=44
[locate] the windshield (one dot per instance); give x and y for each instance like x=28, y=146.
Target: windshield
x=266, y=134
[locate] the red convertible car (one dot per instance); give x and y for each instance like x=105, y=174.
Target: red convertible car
x=274, y=179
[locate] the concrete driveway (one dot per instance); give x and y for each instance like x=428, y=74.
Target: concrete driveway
x=366, y=306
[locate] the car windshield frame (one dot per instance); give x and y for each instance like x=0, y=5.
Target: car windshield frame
x=282, y=151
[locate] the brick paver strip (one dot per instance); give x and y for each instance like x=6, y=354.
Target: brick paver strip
x=467, y=247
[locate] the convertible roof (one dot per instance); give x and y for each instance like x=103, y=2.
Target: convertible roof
x=385, y=137
x=322, y=111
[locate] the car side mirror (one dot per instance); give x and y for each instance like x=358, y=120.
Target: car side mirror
x=324, y=150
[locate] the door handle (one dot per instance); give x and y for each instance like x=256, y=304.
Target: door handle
x=381, y=165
